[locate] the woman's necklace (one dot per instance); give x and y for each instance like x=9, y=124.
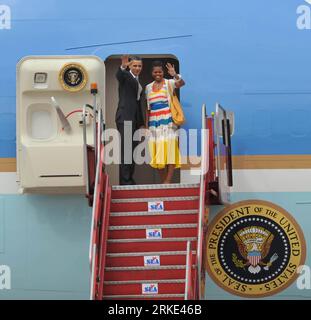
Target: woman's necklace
x=158, y=85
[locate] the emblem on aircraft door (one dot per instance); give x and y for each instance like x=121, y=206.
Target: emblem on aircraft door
x=73, y=77
x=254, y=249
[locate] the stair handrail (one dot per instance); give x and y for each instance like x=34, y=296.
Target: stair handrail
x=100, y=216
x=95, y=190
x=105, y=198
x=85, y=157
x=204, y=169
x=96, y=141
x=189, y=274
x=103, y=239
x=99, y=164
x=93, y=271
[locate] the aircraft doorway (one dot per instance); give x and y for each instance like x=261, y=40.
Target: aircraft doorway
x=144, y=174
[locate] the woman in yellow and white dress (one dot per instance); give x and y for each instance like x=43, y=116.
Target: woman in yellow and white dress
x=163, y=141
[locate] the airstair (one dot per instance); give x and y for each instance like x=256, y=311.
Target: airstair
x=147, y=241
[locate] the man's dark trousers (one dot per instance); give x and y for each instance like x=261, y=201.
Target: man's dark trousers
x=127, y=165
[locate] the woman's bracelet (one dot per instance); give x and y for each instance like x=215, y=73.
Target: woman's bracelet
x=179, y=77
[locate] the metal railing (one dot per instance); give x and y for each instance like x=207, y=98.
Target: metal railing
x=98, y=197
x=188, y=277
x=100, y=215
x=97, y=135
x=85, y=155
x=96, y=141
x=204, y=169
x=103, y=236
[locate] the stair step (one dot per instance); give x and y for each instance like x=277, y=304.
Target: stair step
x=146, y=296
x=147, y=213
x=151, y=240
x=141, y=254
x=136, y=268
x=156, y=186
x=157, y=226
x=183, y=203
x=150, y=218
x=144, y=273
x=124, y=288
x=139, y=231
x=147, y=259
x=158, y=190
x=145, y=245
x=169, y=203
x=135, y=200
x=145, y=281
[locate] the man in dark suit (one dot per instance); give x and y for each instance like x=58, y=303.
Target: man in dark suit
x=129, y=115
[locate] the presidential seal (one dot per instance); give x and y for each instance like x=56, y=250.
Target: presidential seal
x=73, y=77
x=254, y=249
